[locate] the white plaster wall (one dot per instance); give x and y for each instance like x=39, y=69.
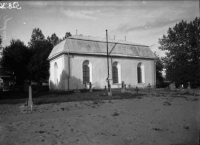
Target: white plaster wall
x=60, y=63
x=129, y=72
x=100, y=73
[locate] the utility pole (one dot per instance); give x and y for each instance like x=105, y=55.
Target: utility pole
x=109, y=89
x=68, y=70
x=107, y=51
x=30, y=102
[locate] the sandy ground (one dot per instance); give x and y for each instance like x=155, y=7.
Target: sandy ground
x=140, y=121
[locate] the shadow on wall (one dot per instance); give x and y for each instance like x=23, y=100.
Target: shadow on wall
x=52, y=86
x=63, y=83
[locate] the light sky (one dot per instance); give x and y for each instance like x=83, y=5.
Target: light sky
x=142, y=22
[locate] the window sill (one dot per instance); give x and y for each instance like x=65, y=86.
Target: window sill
x=116, y=84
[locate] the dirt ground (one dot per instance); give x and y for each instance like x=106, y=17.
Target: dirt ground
x=159, y=119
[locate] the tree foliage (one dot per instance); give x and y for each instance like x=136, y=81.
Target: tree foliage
x=182, y=61
x=67, y=34
x=0, y=45
x=39, y=64
x=0, y=40
x=29, y=63
x=159, y=69
x=15, y=60
x=54, y=40
x=36, y=36
x=40, y=49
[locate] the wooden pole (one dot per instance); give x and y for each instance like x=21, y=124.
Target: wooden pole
x=30, y=102
x=68, y=70
x=107, y=52
x=109, y=89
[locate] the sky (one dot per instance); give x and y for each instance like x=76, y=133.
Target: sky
x=143, y=22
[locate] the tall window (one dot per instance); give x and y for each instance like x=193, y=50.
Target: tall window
x=115, y=73
x=86, y=72
x=140, y=73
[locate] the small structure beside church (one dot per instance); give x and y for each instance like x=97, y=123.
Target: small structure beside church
x=188, y=87
x=4, y=79
x=4, y=76
x=79, y=60
x=172, y=86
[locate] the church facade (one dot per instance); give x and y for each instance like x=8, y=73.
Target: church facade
x=79, y=60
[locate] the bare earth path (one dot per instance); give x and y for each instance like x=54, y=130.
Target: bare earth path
x=144, y=121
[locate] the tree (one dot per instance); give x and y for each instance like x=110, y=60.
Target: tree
x=159, y=69
x=0, y=43
x=15, y=59
x=38, y=66
x=67, y=34
x=36, y=35
x=40, y=48
x=54, y=40
x=182, y=61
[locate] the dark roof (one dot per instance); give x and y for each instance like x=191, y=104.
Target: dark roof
x=98, y=46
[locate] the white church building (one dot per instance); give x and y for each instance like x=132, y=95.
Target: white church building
x=78, y=60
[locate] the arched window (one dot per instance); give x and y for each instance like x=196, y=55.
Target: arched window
x=140, y=72
x=116, y=72
x=86, y=72
x=55, y=73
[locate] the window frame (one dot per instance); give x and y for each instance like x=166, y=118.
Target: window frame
x=140, y=73
x=87, y=72
x=115, y=75
x=116, y=72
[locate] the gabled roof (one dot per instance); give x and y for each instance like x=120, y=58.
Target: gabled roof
x=98, y=46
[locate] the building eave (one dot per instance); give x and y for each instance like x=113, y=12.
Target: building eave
x=98, y=55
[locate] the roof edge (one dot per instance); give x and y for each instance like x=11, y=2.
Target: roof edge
x=99, y=54
x=128, y=43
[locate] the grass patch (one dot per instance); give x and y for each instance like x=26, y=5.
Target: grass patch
x=60, y=97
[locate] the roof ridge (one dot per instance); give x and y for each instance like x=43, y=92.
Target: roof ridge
x=98, y=39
